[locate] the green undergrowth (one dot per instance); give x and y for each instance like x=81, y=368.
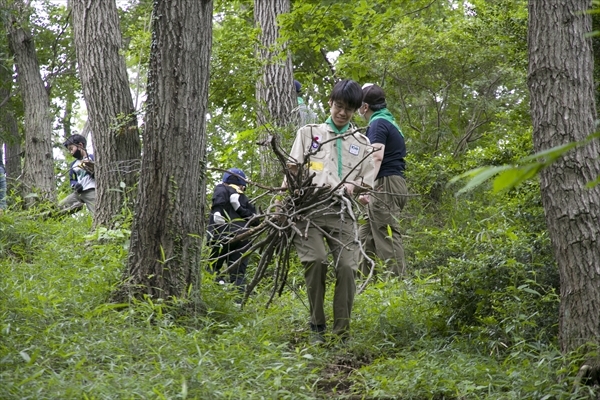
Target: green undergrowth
x=62, y=339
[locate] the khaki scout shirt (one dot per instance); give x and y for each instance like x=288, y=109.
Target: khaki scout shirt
x=324, y=162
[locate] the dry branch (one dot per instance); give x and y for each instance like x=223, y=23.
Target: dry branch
x=301, y=201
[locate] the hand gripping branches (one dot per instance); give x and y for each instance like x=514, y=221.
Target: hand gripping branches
x=300, y=200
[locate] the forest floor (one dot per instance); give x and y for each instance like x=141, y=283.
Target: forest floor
x=62, y=338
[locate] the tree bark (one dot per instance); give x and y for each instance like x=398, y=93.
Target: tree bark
x=9, y=130
x=166, y=238
x=563, y=110
x=275, y=92
x=38, y=167
x=110, y=106
x=13, y=151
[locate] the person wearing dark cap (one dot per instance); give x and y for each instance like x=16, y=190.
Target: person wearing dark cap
x=81, y=175
x=231, y=213
x=381, y=234
x=336, y=156
x=305, y=114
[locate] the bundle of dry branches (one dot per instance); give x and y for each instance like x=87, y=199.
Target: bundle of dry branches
x=299, y=199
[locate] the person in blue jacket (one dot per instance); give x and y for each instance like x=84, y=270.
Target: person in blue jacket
x=81, y=175
x=231, y=213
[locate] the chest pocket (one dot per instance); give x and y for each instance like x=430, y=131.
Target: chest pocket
x=322, y=152
x=317, y=159
x=352, y=155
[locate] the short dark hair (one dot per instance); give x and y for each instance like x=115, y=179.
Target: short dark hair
x=75, y=139
x=374, y=96
x=349, y=92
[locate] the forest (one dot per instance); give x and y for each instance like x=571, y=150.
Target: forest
x=496, y=100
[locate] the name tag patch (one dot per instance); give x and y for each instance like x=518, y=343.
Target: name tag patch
x=316, y=166
x=354, y=149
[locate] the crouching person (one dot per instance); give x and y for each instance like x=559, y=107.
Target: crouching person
x=81, y=175
x=230, y=214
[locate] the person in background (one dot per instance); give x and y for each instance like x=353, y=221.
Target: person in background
x=305, y=114
x=2, y=188
x=381, y=234
x=230, y=214
x=81, y=175
x=332, y=156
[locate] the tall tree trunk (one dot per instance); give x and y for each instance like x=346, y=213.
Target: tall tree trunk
x=275, y=93
x=38, y=167
x=12, y=153
x=166, y=238
x=9, y=130
x=563, y=110
x=108, y=99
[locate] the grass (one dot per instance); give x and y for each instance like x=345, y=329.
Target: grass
x=61, y=339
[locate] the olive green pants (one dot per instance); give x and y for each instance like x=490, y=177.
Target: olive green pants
x=380, y=235
x=87, y=197
x=314, y=257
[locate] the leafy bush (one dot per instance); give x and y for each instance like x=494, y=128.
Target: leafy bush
x=475, y=318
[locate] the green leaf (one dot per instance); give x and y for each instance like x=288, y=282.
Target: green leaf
x=478, y=176
x=552, y=154
x=593, y=183
x=512, y=236
x=515, y=176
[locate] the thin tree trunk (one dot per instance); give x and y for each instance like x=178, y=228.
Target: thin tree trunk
x=38, y=169
x=275, y=92
x=67, y=115
x=110, y=106
x=13, y=151
x=70, y=99
x=563, y=110
x=166, y=238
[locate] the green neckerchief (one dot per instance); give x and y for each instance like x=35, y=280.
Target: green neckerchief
x=385, y=114
x=338, y=141
x=300, y=100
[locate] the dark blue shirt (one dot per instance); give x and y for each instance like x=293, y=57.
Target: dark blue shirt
x=384, y=132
